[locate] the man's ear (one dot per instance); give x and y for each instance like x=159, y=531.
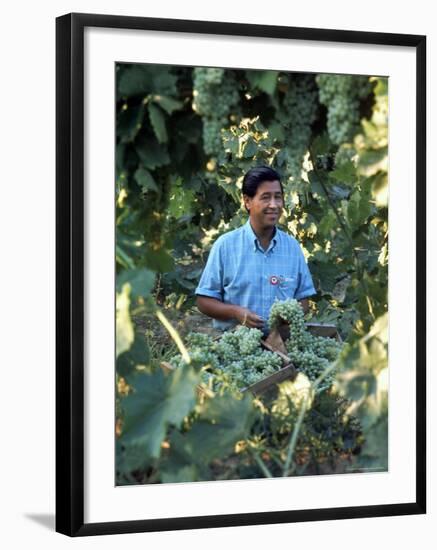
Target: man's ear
x=247, y=201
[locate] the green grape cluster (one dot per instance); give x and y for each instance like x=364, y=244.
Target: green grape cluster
x=211, y=133
x=341, y=94
x=200, y=357
x=199, y=339
x=242, y=357
x=310, y=354
x=299, y=110
x=215, y=94
x=290, y=312
x=236, y=360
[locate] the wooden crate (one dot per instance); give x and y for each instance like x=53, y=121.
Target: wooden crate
x=321, y=329
x=270, y=383
x=289, y=371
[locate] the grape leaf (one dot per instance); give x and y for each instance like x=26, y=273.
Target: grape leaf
x=184, y=474
x=250, y=148
x=151, y=153
x=265, y=81
x=124, y=327
x=167, y=103
x=129, y=459
x=141, y=281
x=138, y=354
x=157, y=401
x=145, y=180
x=372, y=157
x=134, y=80
x=222, y=422
x=158, y=260
x=345, y=173
x=359, y=208
x=158, y=123
x=129, y=122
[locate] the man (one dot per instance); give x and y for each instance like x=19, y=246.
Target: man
x=252, y=266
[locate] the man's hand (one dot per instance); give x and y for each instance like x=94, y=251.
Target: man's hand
x=218, y=310
x=248, y=318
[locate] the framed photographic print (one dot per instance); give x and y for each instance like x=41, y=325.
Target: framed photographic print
x=240, y=274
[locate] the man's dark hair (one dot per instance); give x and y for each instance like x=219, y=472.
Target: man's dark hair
x=255, y=176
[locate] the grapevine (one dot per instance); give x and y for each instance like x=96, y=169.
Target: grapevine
x=298, y=112
x=341, y=94
x=214, y=96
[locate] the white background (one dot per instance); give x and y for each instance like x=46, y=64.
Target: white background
x=28, y=265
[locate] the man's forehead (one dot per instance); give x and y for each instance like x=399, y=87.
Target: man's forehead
x=269, y=187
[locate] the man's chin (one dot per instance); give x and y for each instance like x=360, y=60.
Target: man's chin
x=269, y=224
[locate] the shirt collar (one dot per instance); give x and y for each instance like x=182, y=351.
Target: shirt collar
x=254, y=239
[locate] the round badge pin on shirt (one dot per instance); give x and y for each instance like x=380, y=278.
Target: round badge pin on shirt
x=273, y=280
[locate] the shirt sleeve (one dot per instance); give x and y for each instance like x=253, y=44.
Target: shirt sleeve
x=211, y=281
x=305, y=287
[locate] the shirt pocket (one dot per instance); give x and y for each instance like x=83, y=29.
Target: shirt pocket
x=286, y=287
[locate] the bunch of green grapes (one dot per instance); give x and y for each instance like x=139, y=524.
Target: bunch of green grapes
x=214, y=96
x=200, y=358
x=242, y=357
x=211, y=133
x=234, y=361
x=327, y=348
x=299, y=110
x=252, y=368
x=199, y=340
x=310, y=354
x=341, y=94
x=205, y=80
x=290, y=312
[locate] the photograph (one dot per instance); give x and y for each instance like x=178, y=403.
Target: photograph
x=251, y=260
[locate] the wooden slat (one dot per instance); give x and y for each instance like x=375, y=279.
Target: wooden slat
x=320, y=329
x=275, y=340
x=286, y=373
x=269, y=347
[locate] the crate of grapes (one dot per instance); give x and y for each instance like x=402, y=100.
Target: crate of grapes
x=275, y=343
x=309, y=347
x=243, y=359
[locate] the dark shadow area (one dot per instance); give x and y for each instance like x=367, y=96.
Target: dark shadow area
x=46, y=520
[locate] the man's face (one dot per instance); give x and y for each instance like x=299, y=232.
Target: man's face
x=266, y=206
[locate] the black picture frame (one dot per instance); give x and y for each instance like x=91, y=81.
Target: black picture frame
x=70, y=289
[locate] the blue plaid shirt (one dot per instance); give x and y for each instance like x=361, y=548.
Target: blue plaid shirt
x=240, y=272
